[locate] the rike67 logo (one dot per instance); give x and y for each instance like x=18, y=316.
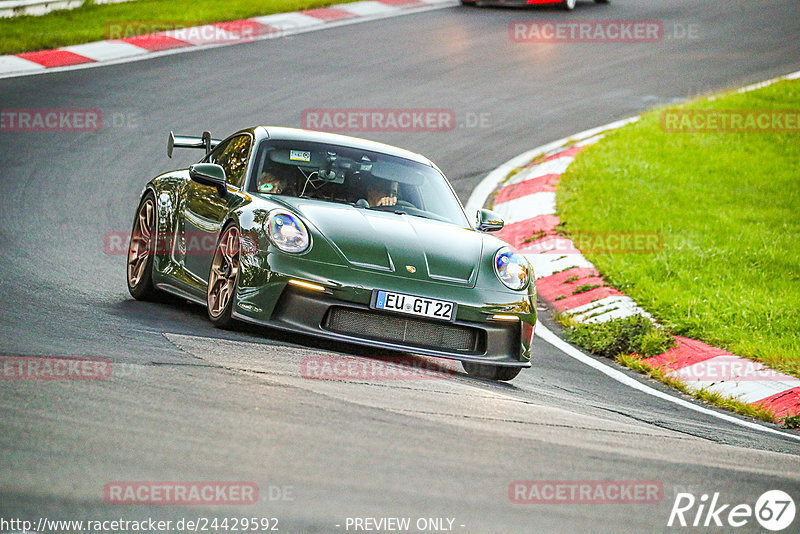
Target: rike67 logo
x=774, y=510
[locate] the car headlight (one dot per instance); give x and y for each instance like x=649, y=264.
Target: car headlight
x=512, y=268
x=287, y=232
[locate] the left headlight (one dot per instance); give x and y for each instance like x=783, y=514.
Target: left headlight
x=512, y=268
x=287, y=232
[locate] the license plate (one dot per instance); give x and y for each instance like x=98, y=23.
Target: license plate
x=411, y=305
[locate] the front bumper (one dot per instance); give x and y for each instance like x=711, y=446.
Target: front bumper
x=319, y=314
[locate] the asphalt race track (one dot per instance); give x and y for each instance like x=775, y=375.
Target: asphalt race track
x=189, y=402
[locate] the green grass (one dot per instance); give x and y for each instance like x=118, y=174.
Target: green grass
x=728, y=208
x=635, y=334
x=791, y=421
x=91, y=22
x=534, y=236
x=584, y=288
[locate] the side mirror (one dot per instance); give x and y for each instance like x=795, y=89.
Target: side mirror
x=209, y=174
x=489, y=221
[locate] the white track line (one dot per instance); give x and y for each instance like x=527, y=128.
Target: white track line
x=569, y=350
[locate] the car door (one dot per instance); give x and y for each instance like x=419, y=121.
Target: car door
x=205, y=209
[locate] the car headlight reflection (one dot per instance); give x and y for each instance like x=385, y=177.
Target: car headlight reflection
x=287, y=232
x=512, y=268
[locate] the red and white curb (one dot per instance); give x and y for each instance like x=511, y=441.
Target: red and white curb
x=220, y=34
x=527, y=203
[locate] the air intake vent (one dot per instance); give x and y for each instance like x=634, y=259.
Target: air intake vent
x=404, y=330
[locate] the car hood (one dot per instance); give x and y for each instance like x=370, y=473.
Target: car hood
x=404, y=245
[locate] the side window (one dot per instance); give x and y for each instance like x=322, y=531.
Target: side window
x=232, y=156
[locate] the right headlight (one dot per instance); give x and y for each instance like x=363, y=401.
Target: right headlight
x=287, y=232
x=512, y=268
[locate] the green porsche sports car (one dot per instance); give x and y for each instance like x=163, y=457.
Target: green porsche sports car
x=338, y=237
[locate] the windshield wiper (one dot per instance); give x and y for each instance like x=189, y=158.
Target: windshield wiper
x=420, y=215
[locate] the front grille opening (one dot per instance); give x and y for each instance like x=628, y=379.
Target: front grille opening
x=405, y=330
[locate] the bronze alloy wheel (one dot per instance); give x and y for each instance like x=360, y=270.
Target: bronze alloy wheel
x=223, y=276
x=140, y=250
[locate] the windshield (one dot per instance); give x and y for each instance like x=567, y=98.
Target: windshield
x=364, y=179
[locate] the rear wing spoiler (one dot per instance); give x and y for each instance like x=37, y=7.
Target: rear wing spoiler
x=186, y=141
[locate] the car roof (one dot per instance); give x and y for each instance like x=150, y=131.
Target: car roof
x=298, y=134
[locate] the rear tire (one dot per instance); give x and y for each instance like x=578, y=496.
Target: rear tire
x=491, y=372
x=139, y=271
x=568, y=5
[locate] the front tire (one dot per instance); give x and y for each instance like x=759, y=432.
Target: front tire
x=491, y=372
x=223, y=278
x=568, y=5
x=141, y=251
